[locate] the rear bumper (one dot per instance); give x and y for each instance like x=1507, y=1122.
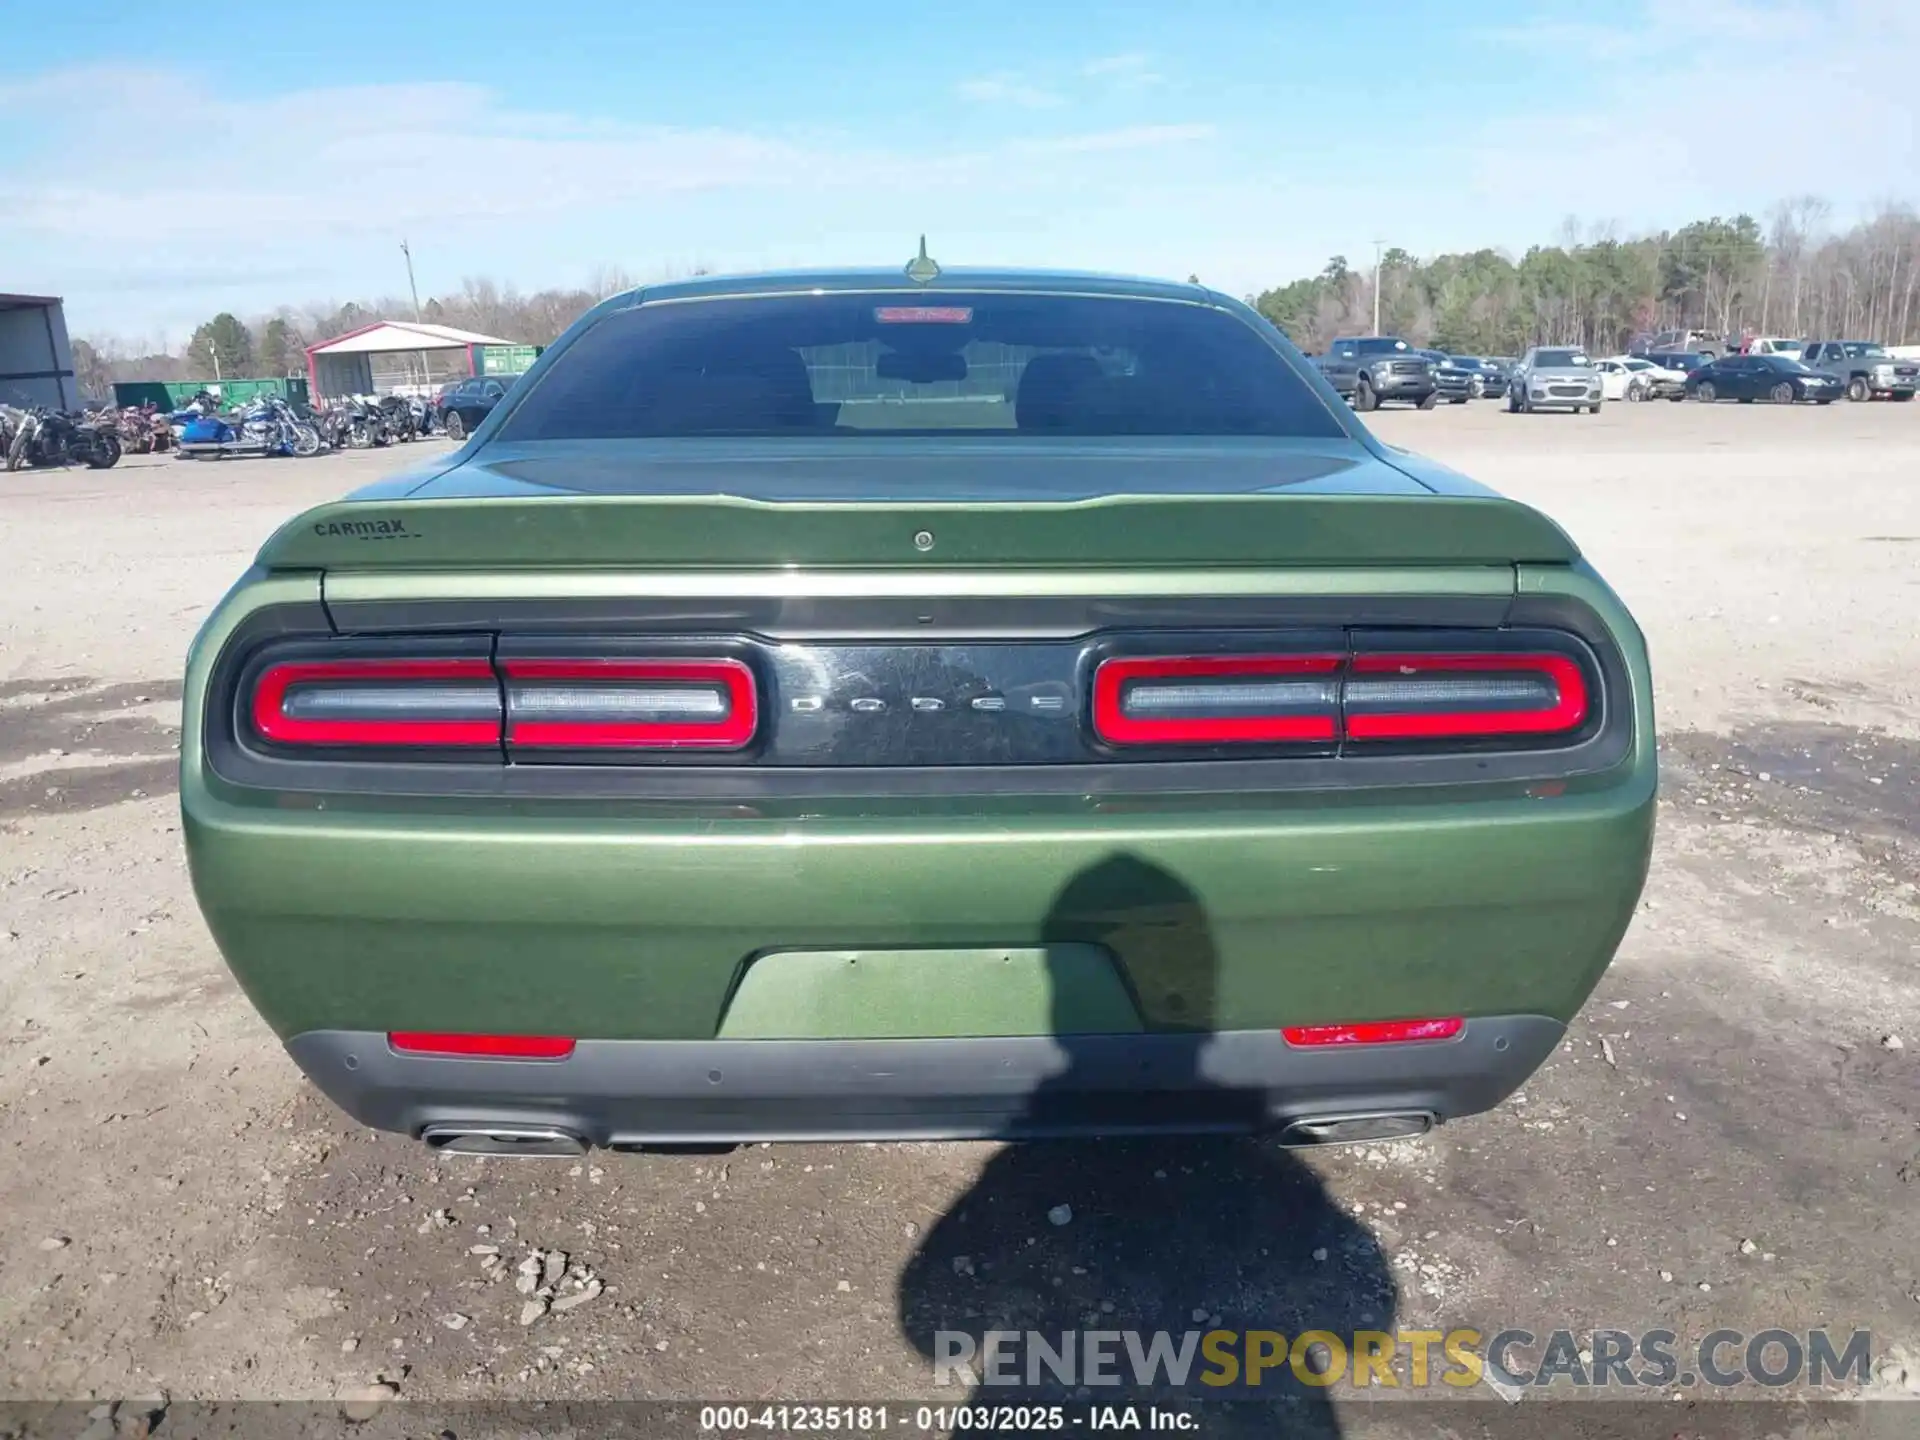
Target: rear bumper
x=639, y=1092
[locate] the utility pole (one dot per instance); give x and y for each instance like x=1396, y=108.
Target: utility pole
x=415, y=289
x=1376, y=285
x=425, y=377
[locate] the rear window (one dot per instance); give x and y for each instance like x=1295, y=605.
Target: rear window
x=921, y=364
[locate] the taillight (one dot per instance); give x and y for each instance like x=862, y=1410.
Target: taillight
x=481, y=1047
x=1463, y=696
x=1216, y=699
x=445, y=702
x=1279, y=699
x=1374, y=1032
x=630, y=704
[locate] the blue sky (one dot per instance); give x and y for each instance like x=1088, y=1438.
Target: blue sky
x=154, y=177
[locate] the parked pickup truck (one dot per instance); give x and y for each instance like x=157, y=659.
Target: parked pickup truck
x=1864, y=368
x=1367, y=369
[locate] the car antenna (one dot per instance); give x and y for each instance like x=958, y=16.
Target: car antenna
x=922, y=269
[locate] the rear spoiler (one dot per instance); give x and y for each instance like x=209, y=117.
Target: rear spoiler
x=552, y=531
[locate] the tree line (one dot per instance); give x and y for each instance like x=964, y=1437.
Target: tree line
x=1790, y=276
x=1598, y=291
x=276, y=344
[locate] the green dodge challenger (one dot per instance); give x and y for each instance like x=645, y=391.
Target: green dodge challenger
x=918, y=704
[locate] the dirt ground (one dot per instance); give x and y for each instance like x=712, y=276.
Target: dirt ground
x=1729, y=1138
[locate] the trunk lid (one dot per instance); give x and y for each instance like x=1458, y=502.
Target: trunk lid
x=921, y=504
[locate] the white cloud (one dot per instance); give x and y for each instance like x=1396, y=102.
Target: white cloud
x=306, y=194
x=1131, y=71
x=1715, y=105
x=1008, y=88
x=1127, y=137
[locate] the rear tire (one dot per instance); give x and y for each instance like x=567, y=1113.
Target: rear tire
x=1427, y=402
x=106, y=453
x=1459, y=401
x=1827, y=401
x=457, y=428
x=1858, y=390
x=1364, y=400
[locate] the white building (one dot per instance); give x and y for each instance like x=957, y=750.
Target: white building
x=392, y=357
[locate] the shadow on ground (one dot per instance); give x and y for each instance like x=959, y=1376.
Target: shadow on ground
x=86, y=721
x=1175, y=1235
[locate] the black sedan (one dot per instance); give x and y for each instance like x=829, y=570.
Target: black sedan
x=461, y=407
x=1746, y=378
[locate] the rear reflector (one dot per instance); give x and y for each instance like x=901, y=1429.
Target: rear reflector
x=630, y=704
x=1419, y=697
x=436, y=702
x=1216, y=699
x=486, y=1047
x=1374, y=1032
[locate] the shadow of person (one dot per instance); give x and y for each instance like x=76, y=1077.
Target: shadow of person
x=1186, y=1234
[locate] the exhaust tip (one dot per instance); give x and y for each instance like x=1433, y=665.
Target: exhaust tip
x=527, y=1141
x=1358, y=1129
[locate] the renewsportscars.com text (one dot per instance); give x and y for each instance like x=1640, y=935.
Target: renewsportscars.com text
x=1413, y=1359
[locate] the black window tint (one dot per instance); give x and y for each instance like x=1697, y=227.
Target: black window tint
x=918, y=363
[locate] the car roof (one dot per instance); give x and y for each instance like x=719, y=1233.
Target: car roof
x=801, y=282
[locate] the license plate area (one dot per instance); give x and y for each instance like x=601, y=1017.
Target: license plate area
x=1064, y=989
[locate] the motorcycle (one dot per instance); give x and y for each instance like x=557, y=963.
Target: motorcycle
x=401, y=422
x=46, y=437
x=367, y=424
x=142, y=430
x=267, y=427
x=333, y=421
x=203, y=404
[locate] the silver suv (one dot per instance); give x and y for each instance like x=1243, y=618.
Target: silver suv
x=1554, y=377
